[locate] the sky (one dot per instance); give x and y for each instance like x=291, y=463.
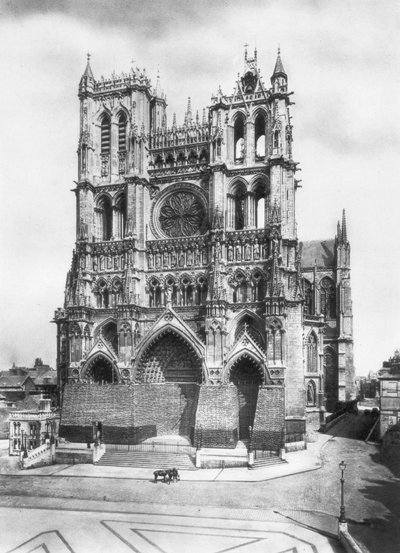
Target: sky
x=342, y=59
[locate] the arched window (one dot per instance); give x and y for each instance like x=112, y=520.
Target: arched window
x=104, y=218
x=169, y=162
x=192, y=158
x=102, y=294
x=201, y=290
x=105, y=134
x=259, y=136
x=240, y=291
x=75, y=337
x=312, y=353
x=119, y=217
x=238, y=141
x=327, y=298
x=122, y=121
x=308, y=298
x=275, y=342
x=116, y=292
x=258, y=289
x=311, y=393
x=258, y=210
x=155, y=293
x=203, y=158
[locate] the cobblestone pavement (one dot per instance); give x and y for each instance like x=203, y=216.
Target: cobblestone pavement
x=371, y=492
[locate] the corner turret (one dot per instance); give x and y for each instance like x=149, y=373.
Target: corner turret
x=86, y=84
x=279, y=78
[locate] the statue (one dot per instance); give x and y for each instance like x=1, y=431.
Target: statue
x=238, y=252
x=230, y=253
x=247, y=251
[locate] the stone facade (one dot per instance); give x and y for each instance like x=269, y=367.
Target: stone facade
x=188, y=270
x=389, y=393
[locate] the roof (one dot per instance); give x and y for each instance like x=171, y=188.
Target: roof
x=8, y=381
x=27, y=404
x=318, y=252
x=49, y=377
x=279, y=65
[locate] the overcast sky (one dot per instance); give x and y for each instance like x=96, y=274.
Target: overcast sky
x=342, y=60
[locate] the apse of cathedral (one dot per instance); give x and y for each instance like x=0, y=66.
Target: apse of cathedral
x=191, y=307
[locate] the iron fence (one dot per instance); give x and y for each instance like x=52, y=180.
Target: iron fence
x=152, y=447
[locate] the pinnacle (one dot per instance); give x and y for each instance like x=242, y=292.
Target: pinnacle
x=344, y=227
x=88, y=70
x=279, y=65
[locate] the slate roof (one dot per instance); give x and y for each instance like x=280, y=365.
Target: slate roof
x=7, y=381
x=319, y=252
x=49, y=377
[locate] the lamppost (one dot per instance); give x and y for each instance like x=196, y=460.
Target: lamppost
x=342, y=517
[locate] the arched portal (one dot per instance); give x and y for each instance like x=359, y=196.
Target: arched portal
x=170, y=358
x=246, y=376
x=101, y=369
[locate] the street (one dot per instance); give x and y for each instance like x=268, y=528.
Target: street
x=371, y=492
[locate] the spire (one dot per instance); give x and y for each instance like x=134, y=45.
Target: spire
x=188, y=116
x=344, y=227
x=279, y=70
x=174, y=121
x=197, y=117
x=204, y=116
x=158, y=91
x=88, y=71
x=338, y=232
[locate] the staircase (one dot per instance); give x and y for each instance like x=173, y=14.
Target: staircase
x=267, y=462
x=156, y=460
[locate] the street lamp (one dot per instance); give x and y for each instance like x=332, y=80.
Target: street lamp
x=342, y=518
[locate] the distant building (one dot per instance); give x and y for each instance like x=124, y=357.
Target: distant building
x=14, y=383
x=30, y=428
x=389, y=380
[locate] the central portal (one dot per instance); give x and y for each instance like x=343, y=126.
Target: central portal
x=245, y=375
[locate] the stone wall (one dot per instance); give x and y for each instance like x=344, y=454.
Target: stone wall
x=217, y=417
x=269, y=420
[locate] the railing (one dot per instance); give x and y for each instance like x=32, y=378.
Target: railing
x=295, y=437
x=153, y=447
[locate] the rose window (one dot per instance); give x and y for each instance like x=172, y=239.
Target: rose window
x=182, y=214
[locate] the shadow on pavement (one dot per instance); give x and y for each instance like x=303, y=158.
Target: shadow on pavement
x=383, y=533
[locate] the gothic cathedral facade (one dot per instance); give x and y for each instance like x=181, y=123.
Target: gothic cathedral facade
x=191, y=307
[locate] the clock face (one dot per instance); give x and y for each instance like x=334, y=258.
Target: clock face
x=182, y=214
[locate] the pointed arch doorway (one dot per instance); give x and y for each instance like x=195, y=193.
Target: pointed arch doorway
x=246, y=376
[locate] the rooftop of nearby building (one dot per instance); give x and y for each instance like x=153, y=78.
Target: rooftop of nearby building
x=320, y=253
x=8, y=381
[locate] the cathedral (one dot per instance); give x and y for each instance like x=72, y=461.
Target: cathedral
x=191, y=307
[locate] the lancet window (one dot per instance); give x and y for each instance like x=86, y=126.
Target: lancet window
x=155, y=293
x=308, y=298
x=275, y=342
x=104, y=218
x=75, y=338
x=119, y=217
x=312, y=353
x=327, y=298
x=122, y=122
x=105, y=127
x=259, y=136
x=102, y=294
x=240, y=290
x=238, y=140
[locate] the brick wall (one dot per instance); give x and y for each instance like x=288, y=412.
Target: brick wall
x=129, y=414
x=269, y=420
x=217, y=417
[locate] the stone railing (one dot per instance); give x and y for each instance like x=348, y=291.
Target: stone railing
x=29, y=415
x=98, y=452
x=40, y=455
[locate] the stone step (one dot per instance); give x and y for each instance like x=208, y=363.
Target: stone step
x=266, y=462
x=153, y=460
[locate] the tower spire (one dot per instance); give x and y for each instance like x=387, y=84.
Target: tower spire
x=344, y=227
x=88, y=70
x=279, y=70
